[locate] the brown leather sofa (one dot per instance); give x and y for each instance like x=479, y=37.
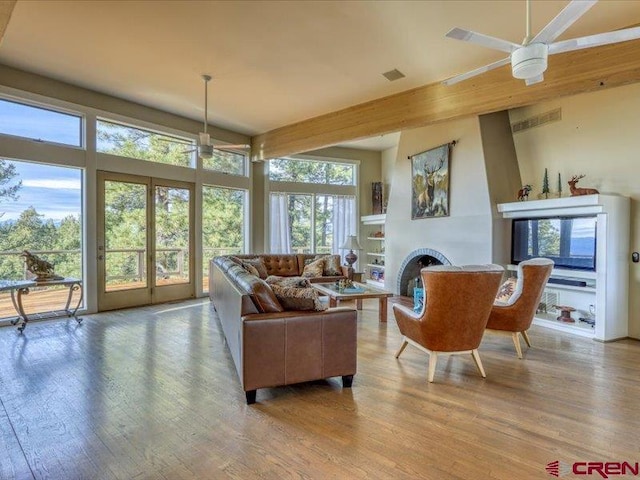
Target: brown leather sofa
x=270, y=346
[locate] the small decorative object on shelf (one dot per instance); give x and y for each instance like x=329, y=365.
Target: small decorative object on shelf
x=42, y=269
x=577, y=191
x=376, y=197
x=542, y=308
x=565, y=313
x=545, y=184
x=523, y=193
x=559, y=186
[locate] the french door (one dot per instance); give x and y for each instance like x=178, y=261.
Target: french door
x=145, y=240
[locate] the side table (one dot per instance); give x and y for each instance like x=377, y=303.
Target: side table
x=22, y=288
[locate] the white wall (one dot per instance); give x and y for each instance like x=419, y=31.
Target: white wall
x=465, y=236
x=599, y=136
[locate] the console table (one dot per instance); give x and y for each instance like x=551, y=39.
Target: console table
x=18, y=288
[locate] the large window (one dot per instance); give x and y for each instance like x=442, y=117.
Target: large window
x=127, y=141
x=40, y=124
x=226, y=162
x=223, y=223
x=40, y=211
x=315, y=217
x=311, y=171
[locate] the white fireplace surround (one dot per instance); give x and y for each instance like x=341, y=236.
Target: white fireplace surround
x=416, y=254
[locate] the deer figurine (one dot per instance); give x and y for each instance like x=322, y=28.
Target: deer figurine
x=523, y=193
x=577, y=191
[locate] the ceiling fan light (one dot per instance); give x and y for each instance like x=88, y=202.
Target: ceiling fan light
x=205, y=152
x=529, y=61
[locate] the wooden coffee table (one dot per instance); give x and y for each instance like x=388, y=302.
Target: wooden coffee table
x=363, y=291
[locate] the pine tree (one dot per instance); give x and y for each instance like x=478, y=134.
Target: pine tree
x=545, y=184
x=559, y=186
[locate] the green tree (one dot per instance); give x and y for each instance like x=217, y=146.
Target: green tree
x=8, y=186
x=559, y=185
x=545, y=184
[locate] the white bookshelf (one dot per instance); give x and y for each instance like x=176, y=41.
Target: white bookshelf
x=608, y=287
x=374, y=249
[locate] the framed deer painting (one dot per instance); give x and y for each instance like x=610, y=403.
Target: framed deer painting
x=430, y=183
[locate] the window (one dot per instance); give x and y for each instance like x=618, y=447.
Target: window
x=40, y=124
x=318, y=218
x=226, y=162
x=132, y=142
x=223, y=223
x=40, y=211
x=315, y=223
x=311, y=171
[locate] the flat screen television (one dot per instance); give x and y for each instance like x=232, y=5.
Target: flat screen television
x=569, y=241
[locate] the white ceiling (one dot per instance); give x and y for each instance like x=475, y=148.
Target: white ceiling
x=273, y=62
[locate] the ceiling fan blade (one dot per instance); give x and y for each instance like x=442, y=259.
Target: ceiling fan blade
x=595, y=40
x=563, y=20
x=205, y=139
x=534, y=80
x=477, y=71
x=239, y=146
x=481, y=39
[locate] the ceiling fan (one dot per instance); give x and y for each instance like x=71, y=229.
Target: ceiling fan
x=205, y=148
x=529, y=60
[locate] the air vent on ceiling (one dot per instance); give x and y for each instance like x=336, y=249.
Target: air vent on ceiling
x=536, y=121
x=394, y=74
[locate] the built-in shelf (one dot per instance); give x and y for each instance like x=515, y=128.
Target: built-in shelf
x=607, y=292
x=374, y=270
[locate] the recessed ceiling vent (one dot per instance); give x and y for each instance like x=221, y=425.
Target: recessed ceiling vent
x=536, y=121
x=394, y=74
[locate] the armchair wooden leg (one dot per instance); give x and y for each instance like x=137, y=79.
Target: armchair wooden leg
x=476, y=358
x=516, y=343
x=433, y=358
x=402, y=347
x=525, y=335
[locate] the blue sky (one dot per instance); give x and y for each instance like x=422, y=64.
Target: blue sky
x=55, y=192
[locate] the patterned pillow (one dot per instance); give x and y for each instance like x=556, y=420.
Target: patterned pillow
x=293, y=282
x=331, y=265
x=295, y=298
x=314, y=269
x=251, y=269
x=258, y=264
x=506, y=290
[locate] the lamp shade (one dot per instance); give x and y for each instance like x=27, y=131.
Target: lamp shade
x=351, y=243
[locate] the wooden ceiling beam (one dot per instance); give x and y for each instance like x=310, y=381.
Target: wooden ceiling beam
x=568, y=74
x=6, y=9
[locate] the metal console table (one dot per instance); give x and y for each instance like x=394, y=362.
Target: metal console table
x=18, y=288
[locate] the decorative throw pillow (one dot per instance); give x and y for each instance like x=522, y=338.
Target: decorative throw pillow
x=258, y=264
x=331, y=265
x=506, y=290
x=295, y=298
x=293, y=282
x=314, y=269
x=251, y=269
x=235, y=259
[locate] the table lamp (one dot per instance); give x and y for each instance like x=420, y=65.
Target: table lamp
x=351, y=244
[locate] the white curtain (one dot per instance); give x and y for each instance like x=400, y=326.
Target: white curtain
x=280, y=239
x=344, y=221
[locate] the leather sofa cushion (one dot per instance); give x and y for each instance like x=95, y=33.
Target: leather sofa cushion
x=261, y=293
x=281, y=265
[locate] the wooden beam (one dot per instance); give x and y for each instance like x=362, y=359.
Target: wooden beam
x=6, y=9
x=568, y=74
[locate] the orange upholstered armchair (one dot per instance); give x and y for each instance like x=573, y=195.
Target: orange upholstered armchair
x=516, y=314
x=458, y=301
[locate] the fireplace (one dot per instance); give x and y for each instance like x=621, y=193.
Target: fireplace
x=411, y=266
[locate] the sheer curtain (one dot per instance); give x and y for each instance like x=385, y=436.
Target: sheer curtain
x=344, y=220
x=280, y=238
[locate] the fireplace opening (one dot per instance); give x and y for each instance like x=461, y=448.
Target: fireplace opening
x=409, y=275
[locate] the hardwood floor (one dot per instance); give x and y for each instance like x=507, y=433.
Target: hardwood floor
x=151, y=393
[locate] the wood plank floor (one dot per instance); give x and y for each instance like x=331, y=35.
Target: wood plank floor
x=151, y=393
